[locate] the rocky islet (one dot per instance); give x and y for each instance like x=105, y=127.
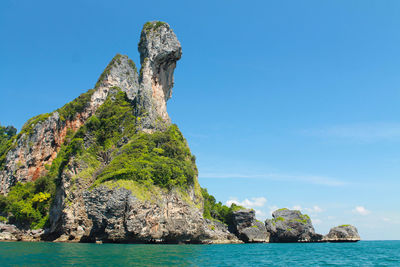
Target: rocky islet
x=79, y=150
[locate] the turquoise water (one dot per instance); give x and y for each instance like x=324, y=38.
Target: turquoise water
x=364, y=253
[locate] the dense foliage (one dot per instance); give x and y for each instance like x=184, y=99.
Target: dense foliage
x=78, y=105
x=7, y=135
x=109, y=143
x=27, y=205
x=162, y=158
x=217, y=211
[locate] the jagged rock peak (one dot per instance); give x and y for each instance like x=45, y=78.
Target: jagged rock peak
x=159, y=51
x=120, y=72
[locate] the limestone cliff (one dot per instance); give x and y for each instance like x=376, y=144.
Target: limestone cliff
x=110, y=166
x=41, y=137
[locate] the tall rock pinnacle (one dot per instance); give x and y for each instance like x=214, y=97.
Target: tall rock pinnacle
x=159, y=51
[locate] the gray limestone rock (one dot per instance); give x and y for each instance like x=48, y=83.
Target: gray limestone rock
x=247, y=228
x=159, y=51
x=9, y=232
x=342, y=233
x=291, y=226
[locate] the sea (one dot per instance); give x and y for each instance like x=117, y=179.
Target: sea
x=363, y=253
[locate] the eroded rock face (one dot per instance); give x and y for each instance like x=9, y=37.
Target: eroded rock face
x=81, y=213
x=159, y=51
x=343, y=233
x=118, y=216
x=37, y=148
x=247, y=228
x=291, y=226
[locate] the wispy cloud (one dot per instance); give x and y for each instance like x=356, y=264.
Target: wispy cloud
x=309, y=179
x=315, y=209
x=252, y=203
x=362, y=132
x=361, y=210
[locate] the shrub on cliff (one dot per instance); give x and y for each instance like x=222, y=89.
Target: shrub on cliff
x=218, y=211
x=27, y=204
x=6, y=138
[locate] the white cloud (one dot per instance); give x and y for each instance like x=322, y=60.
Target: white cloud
x=386, y=219
x=254, y=202
x=308, y=179
x=314, y=209
x=364, y=132
x=260, y=214
x=361, y=210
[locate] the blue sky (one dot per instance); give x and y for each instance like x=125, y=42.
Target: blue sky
x=284, y=103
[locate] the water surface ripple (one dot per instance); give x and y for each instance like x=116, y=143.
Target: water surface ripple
x=364, y=253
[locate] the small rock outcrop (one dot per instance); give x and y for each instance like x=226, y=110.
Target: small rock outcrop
x=291, y=226
x=247, y=228
x=9, y=232
x=342, y=233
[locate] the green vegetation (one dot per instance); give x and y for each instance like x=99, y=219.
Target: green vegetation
x=115, y=155
x=281, y=219
x=161, y=158
x=151, y=26
x=28, y=126
x=132, y=64
x=3, y=219
x=78, y=105
x=217, y=211
x=7, y=137
x=344, y=225
x=282, y=209
x=303, y=219
x=28, y=204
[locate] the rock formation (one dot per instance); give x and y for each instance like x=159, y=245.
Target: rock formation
x=41, y=137
x=12, y=233
x=342, y=233
x=110, y=167
x=291, y=226
x=159, y=51
x=121, y=171
x=247, y=228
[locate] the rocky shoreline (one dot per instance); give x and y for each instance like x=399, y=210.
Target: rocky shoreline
x=287, y=226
